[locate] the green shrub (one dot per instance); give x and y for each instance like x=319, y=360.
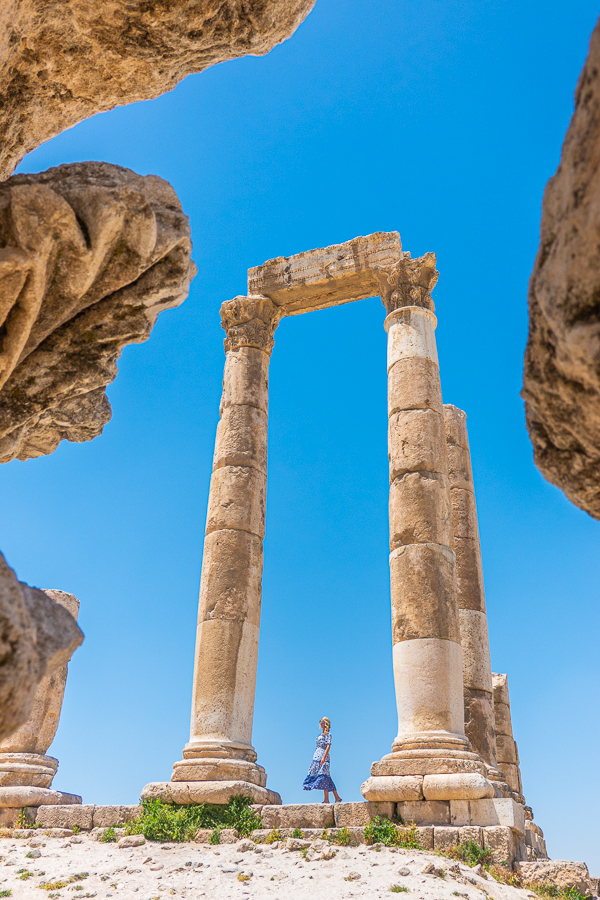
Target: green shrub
x=398, y=889
x=470, y=853
x=215, y=837
x=273, y=836
x=408, y=838
x=161, y=821
x=109, y=836
x=382, y=831
x=343, y=837
x=297, y=833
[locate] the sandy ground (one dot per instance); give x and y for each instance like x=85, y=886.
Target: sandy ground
x=158, y=871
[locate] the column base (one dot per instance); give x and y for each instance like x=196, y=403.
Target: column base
x=29, y=769
x=456, y=786
x=183, y=793
x=19, y=796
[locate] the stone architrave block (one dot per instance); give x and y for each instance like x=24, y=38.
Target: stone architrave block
x=425, y=812
x=301, y=815
x=347, y=814
x=471, y=833
x=503, y=844
x=327, y=276
x=444, y=837
x=425, y=836
x=66, y=816
x=558, y=872
x=109, y=816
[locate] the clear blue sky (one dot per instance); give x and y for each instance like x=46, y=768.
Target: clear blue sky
x=443, y=121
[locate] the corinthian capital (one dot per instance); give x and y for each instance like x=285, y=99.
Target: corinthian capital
x=250, y=322
x=409, y=283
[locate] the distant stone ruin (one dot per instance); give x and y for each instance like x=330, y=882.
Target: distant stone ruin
x=450, y=764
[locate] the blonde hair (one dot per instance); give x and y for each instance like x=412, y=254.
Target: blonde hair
x=326, y=725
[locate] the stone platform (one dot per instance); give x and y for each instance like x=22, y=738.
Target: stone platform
x=498, y=825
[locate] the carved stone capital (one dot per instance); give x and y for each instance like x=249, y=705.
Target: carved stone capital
x=409, y=283
x=250, y=322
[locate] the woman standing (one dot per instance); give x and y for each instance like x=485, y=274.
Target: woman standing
x=319, y=777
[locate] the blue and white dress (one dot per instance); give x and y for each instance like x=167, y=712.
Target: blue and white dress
x=319, y=778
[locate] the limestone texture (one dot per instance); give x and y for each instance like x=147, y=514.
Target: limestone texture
x=328, y=276
x=37, y=636
x=62, y=62
x=559, y=872
x=561, y=385
x=90, y=253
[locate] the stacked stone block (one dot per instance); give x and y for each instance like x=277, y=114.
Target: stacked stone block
x=477, y=670
x=508, y=755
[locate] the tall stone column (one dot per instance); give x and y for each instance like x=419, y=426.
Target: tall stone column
x=219, y=759
x=431, y=757
x=477, y=668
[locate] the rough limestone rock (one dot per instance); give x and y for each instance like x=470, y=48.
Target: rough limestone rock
x=559, y=873
x=36, y=735
x=37, y=636
x=562, y=361
x=90, y=253
x=62, y=62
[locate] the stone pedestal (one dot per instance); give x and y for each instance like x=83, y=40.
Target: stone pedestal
x=219, y=759
x=431, y=757
x=26, y=772
x=477, y=669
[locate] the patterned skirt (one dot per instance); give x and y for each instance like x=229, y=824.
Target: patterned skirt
x=318, y=778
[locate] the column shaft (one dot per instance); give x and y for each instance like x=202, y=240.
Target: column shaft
x=477, y=669
x=427, y=654
x=220, y=746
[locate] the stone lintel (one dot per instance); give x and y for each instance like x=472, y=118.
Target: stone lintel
x=327, y=276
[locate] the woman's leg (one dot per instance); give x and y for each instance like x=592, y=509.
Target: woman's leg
x=326, y=797
x=338, y=799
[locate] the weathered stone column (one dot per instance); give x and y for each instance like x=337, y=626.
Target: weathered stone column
x=26, y=772
x=219, y=759
x=431, y=756
x=508, y=753
x=477, y=668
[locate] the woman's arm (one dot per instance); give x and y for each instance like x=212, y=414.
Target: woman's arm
x=326, y=754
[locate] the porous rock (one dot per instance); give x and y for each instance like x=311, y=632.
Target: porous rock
x=62, y=62
x=557, y=872
x=562, y=361
x=90, y=253
x=37, y=636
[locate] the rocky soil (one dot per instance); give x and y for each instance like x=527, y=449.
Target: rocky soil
x=81, y=866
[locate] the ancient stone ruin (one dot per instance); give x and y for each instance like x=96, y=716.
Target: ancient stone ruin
x=450, y=764
x=26, y=772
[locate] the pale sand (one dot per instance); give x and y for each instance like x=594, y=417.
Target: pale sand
x=194, y=870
